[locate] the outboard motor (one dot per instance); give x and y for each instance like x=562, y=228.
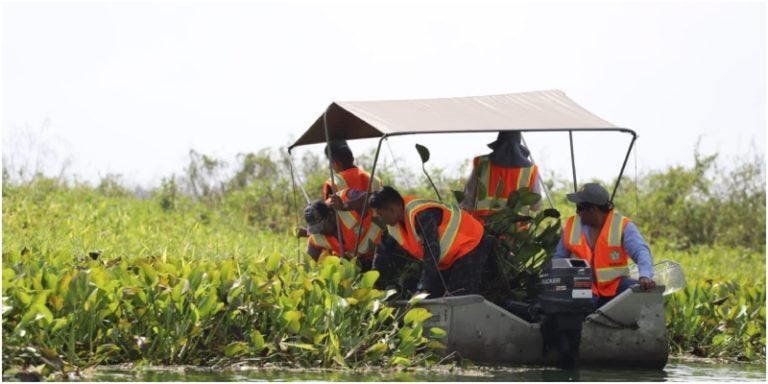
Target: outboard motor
x=565, y=298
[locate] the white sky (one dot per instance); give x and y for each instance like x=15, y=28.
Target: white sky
x=131, y=87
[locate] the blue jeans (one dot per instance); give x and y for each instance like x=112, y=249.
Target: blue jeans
x=624, y=284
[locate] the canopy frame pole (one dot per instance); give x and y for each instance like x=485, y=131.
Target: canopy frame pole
x=293, y=183
x=573, y=161
x=539, y=178
x=301, y=186
x=623, y=165
x=368, y=195
x=333, y=181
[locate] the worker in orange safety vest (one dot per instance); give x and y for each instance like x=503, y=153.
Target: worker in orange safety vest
x=606, y=240
x=449, y=242
x=496, y=175
x=323, y=238
x=346, y=173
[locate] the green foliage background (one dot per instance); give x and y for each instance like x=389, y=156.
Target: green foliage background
x=204, y=269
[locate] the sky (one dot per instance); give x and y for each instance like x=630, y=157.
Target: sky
x=96, y=88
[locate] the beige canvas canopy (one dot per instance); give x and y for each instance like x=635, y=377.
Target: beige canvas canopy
x=526, y=111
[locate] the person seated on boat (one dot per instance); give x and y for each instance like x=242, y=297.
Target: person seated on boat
x=508, y=164
x=346, y=173
x=606, y=240
x=448, y=241
x=323, y=235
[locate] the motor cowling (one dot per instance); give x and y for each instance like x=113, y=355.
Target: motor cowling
x=564, y=299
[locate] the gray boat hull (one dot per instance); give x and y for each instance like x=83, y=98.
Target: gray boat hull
x=628, y=331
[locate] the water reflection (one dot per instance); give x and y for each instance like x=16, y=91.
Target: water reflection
x=674, y=371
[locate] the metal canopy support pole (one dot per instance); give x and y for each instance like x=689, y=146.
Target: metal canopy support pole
x=333, y=182
x=621, y=172
x=539, y=179
x=367, y=194
x=573, y=161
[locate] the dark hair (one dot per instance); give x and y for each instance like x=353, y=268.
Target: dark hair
x=386, y=196
x=338, y=150
x=344, y=156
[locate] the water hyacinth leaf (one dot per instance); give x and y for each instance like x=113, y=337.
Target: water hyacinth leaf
x=369, y=279
x=8, y=275
x=293, y=317
x=107, y=349
x=180, y=289
x=272, y=262
x=434, y=344
x=377, y=349
x=384, y=314
x=23, y=297
x=416, y=316
x=257, y=339
x=437, y=332
x=362, y=294
x=399, y=360
x=149, y=273
x=304, y=346
x=416, y=298
x=235, y=348
x=56, y=301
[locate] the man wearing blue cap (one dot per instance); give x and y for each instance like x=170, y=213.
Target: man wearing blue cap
x=606, y=240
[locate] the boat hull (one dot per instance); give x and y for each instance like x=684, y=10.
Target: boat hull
x=628, y=331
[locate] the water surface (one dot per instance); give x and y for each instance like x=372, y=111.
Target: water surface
x=676, y=370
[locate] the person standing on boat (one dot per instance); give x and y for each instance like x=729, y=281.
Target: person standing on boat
x=323, y=235
x=448, y=241
x=606, y=240
x=505, y=170
x=346, y=173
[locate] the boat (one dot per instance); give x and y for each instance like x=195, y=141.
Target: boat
x=561, y=328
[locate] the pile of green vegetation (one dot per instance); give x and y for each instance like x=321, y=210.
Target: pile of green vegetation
x=205, y=270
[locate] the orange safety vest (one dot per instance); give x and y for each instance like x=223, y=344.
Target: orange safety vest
x=459, y=232
x=355, y=178
x=499, y=182
x=610, y=261
x=369, y=238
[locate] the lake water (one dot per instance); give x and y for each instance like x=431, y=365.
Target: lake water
x=676, y=370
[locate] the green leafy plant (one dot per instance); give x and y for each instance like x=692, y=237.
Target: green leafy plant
x=524, y=240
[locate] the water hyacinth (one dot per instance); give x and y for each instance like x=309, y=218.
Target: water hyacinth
x=165, y=288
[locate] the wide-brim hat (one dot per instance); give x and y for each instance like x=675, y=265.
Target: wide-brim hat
x=504, y=136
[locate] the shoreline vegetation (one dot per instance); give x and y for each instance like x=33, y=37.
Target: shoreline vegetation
x=204, y=270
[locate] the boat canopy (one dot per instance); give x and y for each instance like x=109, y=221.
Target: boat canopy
x=548, y=110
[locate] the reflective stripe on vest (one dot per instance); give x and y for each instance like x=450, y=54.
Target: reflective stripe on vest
x=610, y=261
x=354, y=178
x=350, y=224
x=449, y=227
x=325, y=242
x=497, y=193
